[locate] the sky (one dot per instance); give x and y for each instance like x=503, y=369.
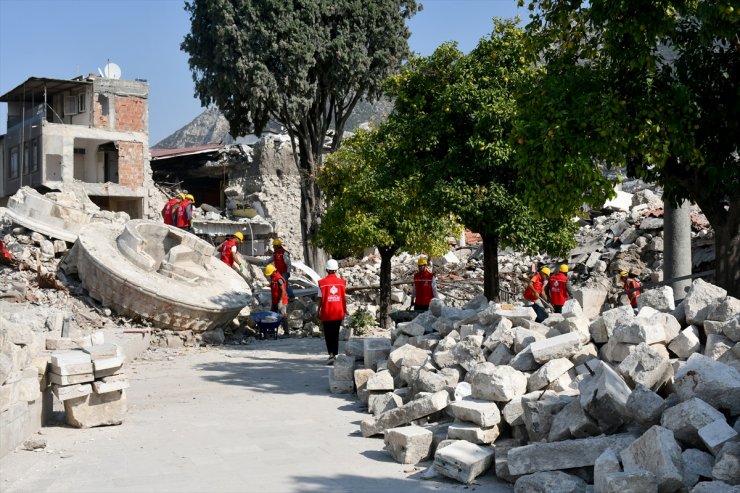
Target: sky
x=67, y=38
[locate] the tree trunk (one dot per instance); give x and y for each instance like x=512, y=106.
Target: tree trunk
x=726, y=225
x=490, y=266
x=308, y=162
x=386, y=254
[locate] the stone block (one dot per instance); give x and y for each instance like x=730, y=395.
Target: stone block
x=524, y=361
x=645, y=366
x=55, y=343
x=513, y=412
x=567, y=454
x=379, y=403
x=524, y=337
x=413, y=410
x=102, y=364
x=431, y=381
x=572, y=309
x=685, y=420
x=606, y=463
x=103, y=351
x=550, y=482
x=727, y=466
x=501, y=355
x=340, y=386
x=726, y=310
x=686, y=343
x=375, y=349
x=539, y=414
x=717, y=345
x=355, y=347
x=640, y=330
x=713, y=382
x=471, y=432
x=468, y=352
x=591, y=299
x=481, y=412
x=562, y=346
x=64, y=392
x=406, y=355
x=713, y=487
x=110, y=384
x=344, y=367
x=411, y=329
x=586, y=353
x=700, y=300
x=696, y=465
x=96, y=409
x=630, y=481
x=615, y=352
x=548, y=373
x=660, y=299
x=716, y=434
x=497, y=383
x=71, y=362
x=572, y=422
x=380, y=381
x=409, y=444
x=360, y=383
x=463, y=461
x=604, y=397
x=645, y=406
x=658, y=452
x=17, y=423
x=70, y=379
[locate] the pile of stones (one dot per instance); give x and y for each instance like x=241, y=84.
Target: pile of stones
x=625, y=401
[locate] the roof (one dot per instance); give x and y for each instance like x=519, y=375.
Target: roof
x=34, y=87
x=185, y=151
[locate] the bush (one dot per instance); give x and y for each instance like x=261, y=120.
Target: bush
x=359, y=322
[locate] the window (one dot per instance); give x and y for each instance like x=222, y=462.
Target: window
x=13, y=169
x=81, y=103
x=26, y=163
x=70, y=105
x=35, y=155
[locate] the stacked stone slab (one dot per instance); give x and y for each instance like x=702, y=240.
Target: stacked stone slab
x=636, y=401
x=91, y=383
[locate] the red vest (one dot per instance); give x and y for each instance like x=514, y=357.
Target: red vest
x=538, y=282
x=275, y=290
x=226, y=255
x=168, y=209
x=181, y=214
x=558, y=289
x=423, y=287
x=279, y=261
x=333, y=292
x=632, y=283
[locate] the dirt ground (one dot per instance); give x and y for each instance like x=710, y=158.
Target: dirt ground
x=234, y=418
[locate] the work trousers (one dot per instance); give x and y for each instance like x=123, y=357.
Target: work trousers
x=331, y=335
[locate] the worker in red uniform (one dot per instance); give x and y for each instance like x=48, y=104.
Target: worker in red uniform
x=281, y=259
x=631, y=284
x=228, y=251
x=6, y=258
x=558, y=289
x=168, y=211
x=535, y=294
x=425, y=286
x=332, y=308
x=184, y=212
x=279, y=296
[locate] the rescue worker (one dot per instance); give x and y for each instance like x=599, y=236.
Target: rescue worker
x=228, y=251
x=558, y=289
x=184, y=212
x=631, y=285
x=168, y=211
x=281, y=259
x=279, y=296
x=425, y=286
x=332, y=307
x=534, y=292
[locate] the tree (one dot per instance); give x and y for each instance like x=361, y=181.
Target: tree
x=454, y=115
x=370, y=204
x=303, y=63
x=652, y=87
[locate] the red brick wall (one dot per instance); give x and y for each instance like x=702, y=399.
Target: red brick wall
x=131, y=164
x=130, y=113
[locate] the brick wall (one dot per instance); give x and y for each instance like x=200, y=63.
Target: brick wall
x=131, y=164
x=130, y=113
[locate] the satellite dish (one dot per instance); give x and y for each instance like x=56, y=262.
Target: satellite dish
x=112, y=71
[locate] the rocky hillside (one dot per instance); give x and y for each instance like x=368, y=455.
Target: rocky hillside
x=211, y=127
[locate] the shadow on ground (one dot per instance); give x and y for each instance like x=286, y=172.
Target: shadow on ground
x=415, y=483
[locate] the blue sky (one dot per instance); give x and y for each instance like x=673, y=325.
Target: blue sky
x=66, y=38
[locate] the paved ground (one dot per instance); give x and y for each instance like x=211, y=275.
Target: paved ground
x=237, y=418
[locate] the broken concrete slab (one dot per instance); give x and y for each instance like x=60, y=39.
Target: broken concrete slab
x=548, y=373
x=409, y=444
x=71, y=362
x=64, y=392
x=686, y=343
x=497, y=383
x=379, y=403
x=658, y=452
x=539, y=414
x=413, y=410
x=715, y=383
x=562, y=346
x=380, y=381
x=463, y=461
x=550, y=482
x=660, y=299
x=572, y=422
x=563, y=455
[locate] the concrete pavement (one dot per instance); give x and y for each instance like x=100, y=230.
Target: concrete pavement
x=235, y=418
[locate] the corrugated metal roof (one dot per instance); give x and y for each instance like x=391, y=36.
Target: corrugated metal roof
x=185, y=151
x=33, y=88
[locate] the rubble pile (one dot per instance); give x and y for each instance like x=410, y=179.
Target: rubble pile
x=624, y=401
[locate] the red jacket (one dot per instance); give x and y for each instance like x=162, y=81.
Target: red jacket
x=538, y=281
x=558, y=289
x=423, y=287
x=632, y=283
x=275, y=289
x=226, y=254
x=168, y=210
x=279, y=261
x=333, y=301
x=181, y=214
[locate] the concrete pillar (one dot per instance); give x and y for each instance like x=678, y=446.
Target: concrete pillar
x=677, y=241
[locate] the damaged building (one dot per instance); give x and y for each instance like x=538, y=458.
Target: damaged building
x=89, y=130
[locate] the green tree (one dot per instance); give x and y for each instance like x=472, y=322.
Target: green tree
x=652, y=87
x=370, y=204
x=304, y=63
x=454, y=115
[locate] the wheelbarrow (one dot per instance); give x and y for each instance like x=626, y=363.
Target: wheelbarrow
x=267, y=323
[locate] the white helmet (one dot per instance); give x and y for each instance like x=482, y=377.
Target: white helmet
x=332, y=264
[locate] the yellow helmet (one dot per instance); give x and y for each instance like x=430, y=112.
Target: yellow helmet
x=623, y=273
x=277, y=242
x=238, y=235
x=422, y=261
x=190, y=198
x=563, y=268
x=545, y=271
x=270, y=269
x=181, y=195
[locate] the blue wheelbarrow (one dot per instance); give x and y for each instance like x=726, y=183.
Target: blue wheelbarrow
x=267, y=323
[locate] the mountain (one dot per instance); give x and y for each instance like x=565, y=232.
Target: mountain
x=211, y=127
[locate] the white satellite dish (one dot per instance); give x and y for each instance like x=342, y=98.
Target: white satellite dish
x=112, y=71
